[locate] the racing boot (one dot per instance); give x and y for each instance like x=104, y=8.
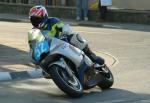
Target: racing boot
x=93, y=57
x=79, y=42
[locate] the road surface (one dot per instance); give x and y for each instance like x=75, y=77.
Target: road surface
x=127, y=42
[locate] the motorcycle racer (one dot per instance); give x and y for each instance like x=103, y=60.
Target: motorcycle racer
x=56, y=28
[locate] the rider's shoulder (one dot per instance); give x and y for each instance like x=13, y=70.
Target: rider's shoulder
x=54, y=19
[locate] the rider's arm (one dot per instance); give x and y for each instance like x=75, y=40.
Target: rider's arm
x=59, y=27
x=54, y=26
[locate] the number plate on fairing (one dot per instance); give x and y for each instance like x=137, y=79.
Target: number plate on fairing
x=40, y=48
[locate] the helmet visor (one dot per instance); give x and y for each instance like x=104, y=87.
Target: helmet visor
x=36, y=21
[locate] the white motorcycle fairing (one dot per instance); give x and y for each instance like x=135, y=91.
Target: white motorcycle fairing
x=60, y=47
x=57, y=53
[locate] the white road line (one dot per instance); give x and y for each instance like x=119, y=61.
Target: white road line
x=112, y=101
x=112, y=26
x=145, y=101
x=118, y=101
x=92, y=32
x=116, y=61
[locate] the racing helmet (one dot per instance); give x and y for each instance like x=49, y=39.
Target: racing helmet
x=38, y=16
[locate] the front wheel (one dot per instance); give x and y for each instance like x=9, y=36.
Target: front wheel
x=107, y=78
x=69, y=84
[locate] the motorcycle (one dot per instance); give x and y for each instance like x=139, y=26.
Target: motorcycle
x=70, y=69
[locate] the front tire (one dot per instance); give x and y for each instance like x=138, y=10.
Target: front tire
x=107, y=79
x=69, y=85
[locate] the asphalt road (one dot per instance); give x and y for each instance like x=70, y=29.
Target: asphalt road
x=128, y=43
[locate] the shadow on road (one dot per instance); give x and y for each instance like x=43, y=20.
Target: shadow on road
x=45, y=91
x=12, y=56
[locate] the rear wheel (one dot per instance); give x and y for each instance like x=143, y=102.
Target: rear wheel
x=107, y=78
x=69, y=84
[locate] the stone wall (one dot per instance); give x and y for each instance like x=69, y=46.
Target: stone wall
x=127, y=16
x=132, y=4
